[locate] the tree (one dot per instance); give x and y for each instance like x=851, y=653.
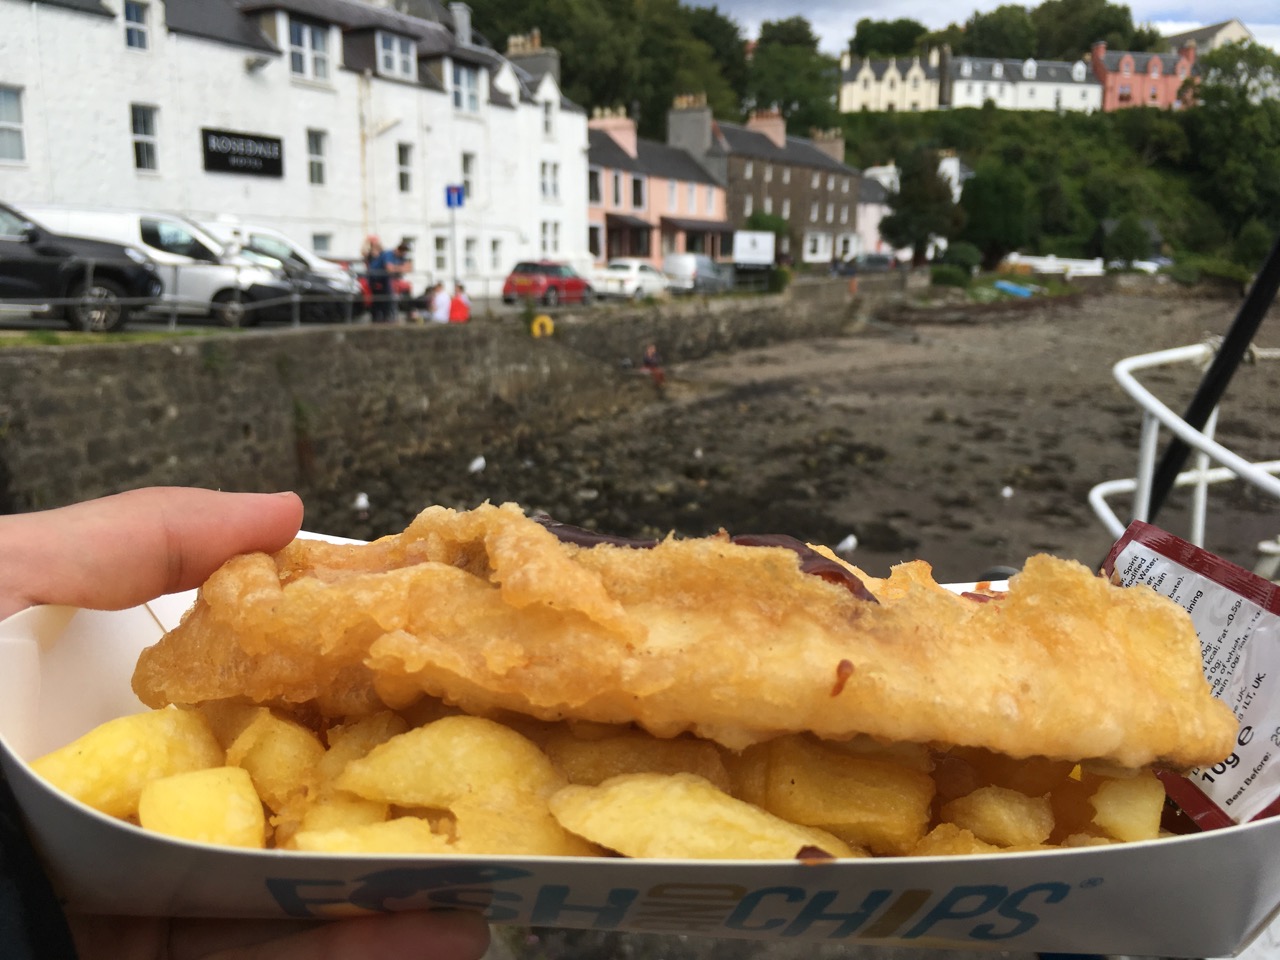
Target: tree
x=1067, y=29
x=922, y=208
x=996, y=206
x=722, y=34
x=887, y=38
x=787, y=71
x=1005, y=32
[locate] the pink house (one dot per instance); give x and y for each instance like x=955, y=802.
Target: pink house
x=1142, y=79
x=647, y=199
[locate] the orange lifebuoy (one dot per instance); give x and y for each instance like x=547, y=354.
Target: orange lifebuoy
x=542, y=326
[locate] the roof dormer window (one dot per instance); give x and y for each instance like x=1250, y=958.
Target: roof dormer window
x=1029, y=69
x=396, y=57
x=1155, y=67
x=1077, y=71
x=997, y=70
x=966, y=68
x=308, y=50
x=466, y=88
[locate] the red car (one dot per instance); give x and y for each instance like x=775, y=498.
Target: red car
x=546, y=282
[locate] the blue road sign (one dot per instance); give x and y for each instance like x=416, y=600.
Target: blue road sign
x=453, y=195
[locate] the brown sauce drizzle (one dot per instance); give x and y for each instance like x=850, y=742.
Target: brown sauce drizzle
x=811, y=562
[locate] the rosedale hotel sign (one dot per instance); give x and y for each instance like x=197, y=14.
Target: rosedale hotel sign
x=228, y=152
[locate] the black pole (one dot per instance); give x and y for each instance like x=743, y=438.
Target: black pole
x=1214, y=384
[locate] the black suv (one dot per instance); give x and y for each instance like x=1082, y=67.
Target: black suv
x=92, y=284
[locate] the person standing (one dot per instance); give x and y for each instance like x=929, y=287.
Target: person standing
x=440, y=304
x=460, y=305
x=377, y=262
x=399, y=267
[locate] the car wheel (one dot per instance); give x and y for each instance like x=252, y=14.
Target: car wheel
x=588, y=297
x=637, y=294
x=97, y=307
x=551, y=297
x=229, y=309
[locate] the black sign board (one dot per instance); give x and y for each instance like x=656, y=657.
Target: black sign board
x=228, y=152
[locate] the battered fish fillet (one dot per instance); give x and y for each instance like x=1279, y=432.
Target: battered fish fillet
x=489, y=610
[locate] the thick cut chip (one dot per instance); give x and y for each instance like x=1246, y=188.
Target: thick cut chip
x=948, y=840
x=218, y=805
x=1007, y=818
x=1129, y=809
x=450, y=760
x=279, y=754
x=404, y=835
x=108, y=767
x=486, y=609
x=598, y=758
x=684, y=816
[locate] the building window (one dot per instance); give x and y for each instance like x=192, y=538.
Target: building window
x=548, y=118
x=135, y=25
x=768, y=204
x=308, y=50
x=691, y=199
x=844, y=214
x=396, y=57
x=748, y=205
x=315, y=156
x=442, y=255
x=813, y=211
x=594, y=245
x=470, y=261
x=786, y=174
x=815, y=181
x=404, y=166
x=786, y=208
x=466, y=88
x=831, y=213
x=550, y=181
x=495, y=255
x=595, y=192
x=11, y=143
x=768, y=173
x=673, y=198
x=550, y=237
x=1126, y=93
x=322, y=242
x=142, y=119
x=748, y=170
x=638, y=185
x=617, y=189
x=468, y=175
x=709, y=201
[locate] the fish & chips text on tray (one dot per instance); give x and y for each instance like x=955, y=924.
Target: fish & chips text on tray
x=486, y=683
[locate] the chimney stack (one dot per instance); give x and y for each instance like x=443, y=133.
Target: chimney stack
x=616, y=124
x=771, y=124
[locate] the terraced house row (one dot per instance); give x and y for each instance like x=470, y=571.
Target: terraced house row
x=335, y=119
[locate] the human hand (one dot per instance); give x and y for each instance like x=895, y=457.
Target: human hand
x=119, y=551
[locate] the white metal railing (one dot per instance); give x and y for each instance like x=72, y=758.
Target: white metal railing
x=1229, y=465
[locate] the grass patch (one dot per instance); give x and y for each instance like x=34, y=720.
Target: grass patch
x=74, y=338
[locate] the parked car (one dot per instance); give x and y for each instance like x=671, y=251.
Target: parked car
x=202, y=277
x=630, y=278
x=868, y=263
x=102, y=282
x=696, y=273
x=547, y=282
x=328, y=291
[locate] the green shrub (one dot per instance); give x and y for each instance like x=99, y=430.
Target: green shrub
x=962, y=254
x=949, y=275
x=779, y=277
x=1199, y=269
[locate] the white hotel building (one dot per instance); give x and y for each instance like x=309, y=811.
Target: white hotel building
x=327, y=119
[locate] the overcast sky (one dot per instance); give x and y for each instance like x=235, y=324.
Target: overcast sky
x=834, y=20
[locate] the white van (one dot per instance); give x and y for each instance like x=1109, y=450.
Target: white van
x=329, y=291
x=201, y=275
x=695, y=273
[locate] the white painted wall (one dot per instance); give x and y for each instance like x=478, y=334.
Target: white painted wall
x=78, y=80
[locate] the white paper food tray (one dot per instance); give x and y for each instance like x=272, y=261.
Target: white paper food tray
x=63, y=671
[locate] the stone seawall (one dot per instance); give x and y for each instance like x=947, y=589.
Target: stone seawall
x=298, y=408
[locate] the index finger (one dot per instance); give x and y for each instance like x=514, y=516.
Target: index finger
x=125, y=549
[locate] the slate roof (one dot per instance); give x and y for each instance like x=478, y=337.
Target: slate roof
x=1014, y=71
x=737, y=140
x=215, y=20
x=652, y=159
x=880, y=66
x=83, y=6
x=872, y=191
x=1141, y=61
x=351, y=15
x=1201, y=35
